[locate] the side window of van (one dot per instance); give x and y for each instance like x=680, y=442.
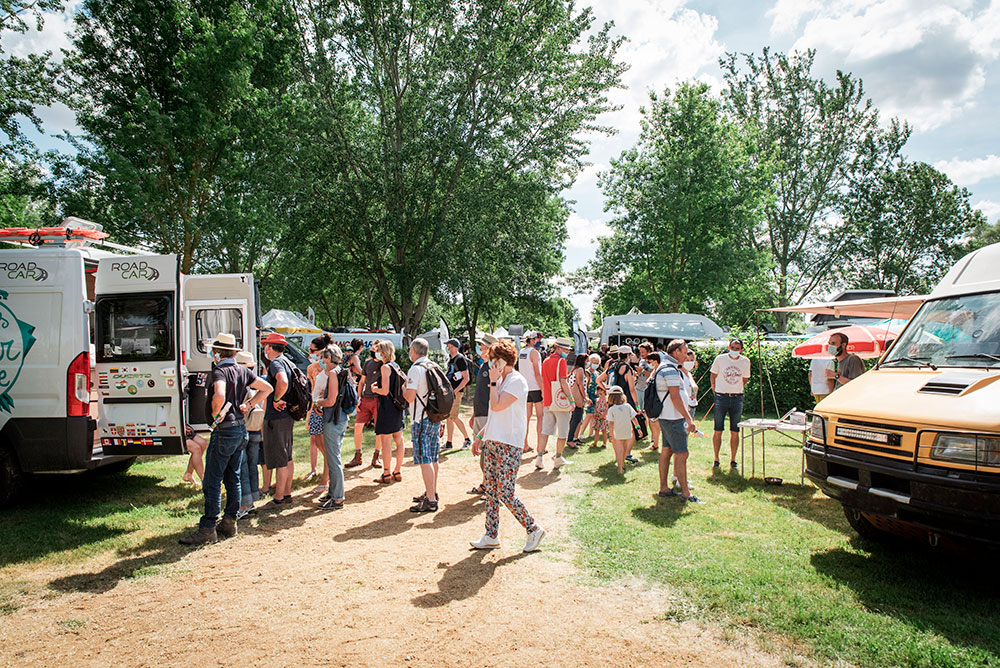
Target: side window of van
x=210, y=322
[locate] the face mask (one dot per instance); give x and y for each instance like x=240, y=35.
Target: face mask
x=499, y=364
x=734, y=354
x=313, y=357
x=688, y=364
x=562, y=355
x=538, y=345
x=832, y=350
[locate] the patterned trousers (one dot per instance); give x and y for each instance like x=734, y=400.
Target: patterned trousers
x=502, y=462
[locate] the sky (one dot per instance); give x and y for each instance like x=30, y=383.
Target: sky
x=932, y=63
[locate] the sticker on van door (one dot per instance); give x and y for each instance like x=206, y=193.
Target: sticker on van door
x=135, y=269
x=15, y=342
x=23, y=270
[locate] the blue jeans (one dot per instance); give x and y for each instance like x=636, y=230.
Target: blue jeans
x=249, y=474
x=731, y=405
x=223, y=459
x=333, y=437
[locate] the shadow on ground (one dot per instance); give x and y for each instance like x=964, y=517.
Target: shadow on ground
x=464, y=579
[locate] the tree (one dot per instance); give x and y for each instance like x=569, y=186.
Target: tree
x=179, y=101
x=907, y=227
x=424, y=109
x=686, y=198
x=25, y=83
x=815, y=131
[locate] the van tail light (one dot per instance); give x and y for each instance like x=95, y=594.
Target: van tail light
x=78, y=386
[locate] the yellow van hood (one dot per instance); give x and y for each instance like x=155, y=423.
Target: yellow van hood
x=895, y=396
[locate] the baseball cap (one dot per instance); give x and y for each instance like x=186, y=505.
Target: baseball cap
x=453, y=342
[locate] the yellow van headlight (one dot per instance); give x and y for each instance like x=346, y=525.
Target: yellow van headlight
x=966, y=449
x=817, y=430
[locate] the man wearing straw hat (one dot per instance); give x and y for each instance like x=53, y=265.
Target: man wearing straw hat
x=227, y=388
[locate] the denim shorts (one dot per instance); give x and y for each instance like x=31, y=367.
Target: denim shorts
x=731, y=405
x=674, y=435
x=425, y=437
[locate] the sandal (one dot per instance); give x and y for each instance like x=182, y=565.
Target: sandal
x=397, y=476
x=478, y=490
x=384, y=479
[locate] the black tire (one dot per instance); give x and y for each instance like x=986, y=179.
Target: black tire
x=10, y=476
x=117, y=467
x=862, y=526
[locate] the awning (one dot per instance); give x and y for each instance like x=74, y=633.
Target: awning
x=287, y=322
x=880, y=307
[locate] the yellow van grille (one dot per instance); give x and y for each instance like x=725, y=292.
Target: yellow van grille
x=894, y=441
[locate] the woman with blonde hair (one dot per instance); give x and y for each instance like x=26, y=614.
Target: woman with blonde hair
x=389, y=420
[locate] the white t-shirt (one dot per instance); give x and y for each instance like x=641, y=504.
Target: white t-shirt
x=416, y=379
x=620, y=416
x=526, y=367
x=820, y=383
x=687, y=384
x=730, y=373
x=668, y=375
x=510, y=425
x=319, y=385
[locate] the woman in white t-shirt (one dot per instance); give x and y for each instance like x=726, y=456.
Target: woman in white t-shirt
x=621, y=415
x=502, y=445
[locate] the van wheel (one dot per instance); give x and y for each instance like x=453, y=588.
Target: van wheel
x=117, y=467
x=861, y=525
x=10, y=476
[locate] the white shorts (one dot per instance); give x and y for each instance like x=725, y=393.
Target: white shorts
x=555, y=423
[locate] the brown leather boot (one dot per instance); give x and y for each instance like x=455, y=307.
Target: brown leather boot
x=226, y=528
x=200, y=537
x=375, y=459
x=354, y=462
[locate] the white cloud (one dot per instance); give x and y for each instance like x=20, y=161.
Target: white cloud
x=923, y=61
x=989, y=208
x=970, y=172
x=53, y=37
x=584, y=233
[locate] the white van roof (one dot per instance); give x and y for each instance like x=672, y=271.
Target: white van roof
x=979, y=271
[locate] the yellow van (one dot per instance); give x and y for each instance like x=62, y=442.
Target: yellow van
x=912, y=447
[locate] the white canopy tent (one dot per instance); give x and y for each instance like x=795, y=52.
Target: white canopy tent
x=287, y=322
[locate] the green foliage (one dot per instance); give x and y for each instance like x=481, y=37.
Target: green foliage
x=435, y=128
x=687, y=198
x=907, y=225
x=180, y=105
x=815, y=132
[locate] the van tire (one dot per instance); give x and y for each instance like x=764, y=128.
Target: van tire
x=862, y=526
x=10, y=475
x=117, y=467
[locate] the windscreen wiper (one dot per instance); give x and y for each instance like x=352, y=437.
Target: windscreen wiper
x=995, y=358
x=914, y=360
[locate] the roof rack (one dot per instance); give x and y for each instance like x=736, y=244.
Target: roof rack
x=71, y=232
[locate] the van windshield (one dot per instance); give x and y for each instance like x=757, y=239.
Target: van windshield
x=137, y=328
x=957, y=331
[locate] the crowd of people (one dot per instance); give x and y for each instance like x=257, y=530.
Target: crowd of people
x=614, y=394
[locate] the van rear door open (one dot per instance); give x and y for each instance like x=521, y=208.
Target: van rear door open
x=138, y=349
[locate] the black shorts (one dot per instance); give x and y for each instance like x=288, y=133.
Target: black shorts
x=277, y=442
x=535, y=397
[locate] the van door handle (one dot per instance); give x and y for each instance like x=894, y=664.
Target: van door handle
x=168, y=372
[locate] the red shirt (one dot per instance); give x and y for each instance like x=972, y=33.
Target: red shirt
x=553, y=368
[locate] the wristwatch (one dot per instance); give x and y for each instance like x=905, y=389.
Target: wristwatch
x=493, y=384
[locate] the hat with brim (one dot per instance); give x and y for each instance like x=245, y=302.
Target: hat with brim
x=616, y=390
x=245, y=358
x=612, y=350
x=486, y=340
x=274, y=339
x=624, y=350
x=563, y=342
x=225, y=341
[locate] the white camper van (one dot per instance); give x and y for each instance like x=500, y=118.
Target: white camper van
x=47, y=410
x=97, y=347
x=153, y=329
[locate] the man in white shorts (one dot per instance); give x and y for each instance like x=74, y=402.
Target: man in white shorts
x=554, y=423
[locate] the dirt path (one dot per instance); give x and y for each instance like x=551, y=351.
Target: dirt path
x=369, y=585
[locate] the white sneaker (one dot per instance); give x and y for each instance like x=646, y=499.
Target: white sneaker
x=559, y=461
x=539, y=462
x=485, y=543
x=534, y=538
x=673, y=481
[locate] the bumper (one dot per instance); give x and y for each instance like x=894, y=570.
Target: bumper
x=54, y=444
x=955, y=503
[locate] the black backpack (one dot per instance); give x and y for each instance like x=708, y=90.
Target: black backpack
x=298, y=396
x=396, y=389
x=440, y=394
x=348, y=393
x=652, y=404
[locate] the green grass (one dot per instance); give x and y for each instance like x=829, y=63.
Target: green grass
x=137, y=516
x=782, y=560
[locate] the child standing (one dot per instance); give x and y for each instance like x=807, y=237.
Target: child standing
x=599, y=427
x=621, y=415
